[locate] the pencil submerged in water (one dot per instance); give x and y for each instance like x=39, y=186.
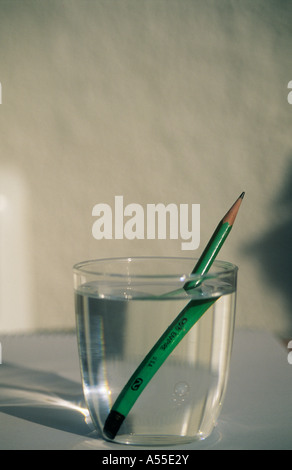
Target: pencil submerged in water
x=168, y=341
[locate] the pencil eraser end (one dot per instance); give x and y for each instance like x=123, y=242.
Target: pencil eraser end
x=113, y=424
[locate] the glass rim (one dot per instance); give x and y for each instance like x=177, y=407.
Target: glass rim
x=219, y=267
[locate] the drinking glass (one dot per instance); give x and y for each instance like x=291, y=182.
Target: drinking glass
x=123, y=306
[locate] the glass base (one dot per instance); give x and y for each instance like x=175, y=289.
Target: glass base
x=155, y=440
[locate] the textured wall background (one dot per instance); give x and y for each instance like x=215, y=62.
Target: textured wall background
x=177, y=101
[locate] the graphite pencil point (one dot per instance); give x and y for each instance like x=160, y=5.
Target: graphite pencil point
x=231, y=214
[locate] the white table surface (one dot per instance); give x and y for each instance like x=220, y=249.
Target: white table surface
x=42, y=407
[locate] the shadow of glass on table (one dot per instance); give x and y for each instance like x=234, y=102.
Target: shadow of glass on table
x=44, y=398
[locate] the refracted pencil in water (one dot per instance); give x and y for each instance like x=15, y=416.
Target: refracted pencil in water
x=188, y=316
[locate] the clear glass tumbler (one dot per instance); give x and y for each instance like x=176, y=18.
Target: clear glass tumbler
x=123, y=306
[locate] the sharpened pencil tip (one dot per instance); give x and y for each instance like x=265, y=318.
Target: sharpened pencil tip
x=231, y=214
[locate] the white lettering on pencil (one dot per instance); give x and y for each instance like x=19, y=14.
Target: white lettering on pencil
x=290, y=94
x=168, y=340
x=129, y=222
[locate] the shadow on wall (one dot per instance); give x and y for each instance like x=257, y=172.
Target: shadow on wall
x=273, y=250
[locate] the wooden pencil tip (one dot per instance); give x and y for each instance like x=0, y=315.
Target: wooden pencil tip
x=231, y=214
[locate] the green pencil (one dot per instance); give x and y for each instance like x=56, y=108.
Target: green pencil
x=174, y=333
